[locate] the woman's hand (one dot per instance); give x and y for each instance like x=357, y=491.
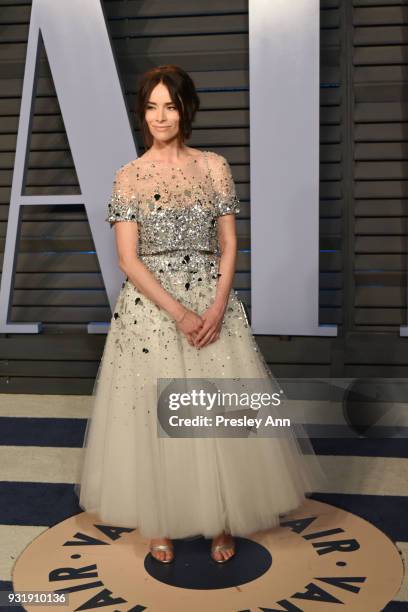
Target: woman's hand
x=190, y=324
x=210, y=331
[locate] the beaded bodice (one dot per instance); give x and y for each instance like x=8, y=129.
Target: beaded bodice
x=176, y=207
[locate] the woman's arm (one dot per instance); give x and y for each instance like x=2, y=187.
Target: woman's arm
x=126, y=235
x=226, y=206
x=227, y=239
x=123, y=213
x=187, y=321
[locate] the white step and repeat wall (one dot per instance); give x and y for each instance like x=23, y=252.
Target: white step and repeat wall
x=284, y=127
x=284, y=42
x=95, y=116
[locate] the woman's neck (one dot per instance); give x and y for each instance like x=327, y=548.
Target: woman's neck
x=168, y=153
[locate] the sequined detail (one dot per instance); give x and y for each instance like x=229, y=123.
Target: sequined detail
x=176, y=206
x=184, y=269
x=141, y=327
x=121, y=209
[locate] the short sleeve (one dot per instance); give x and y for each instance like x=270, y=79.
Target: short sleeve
x=122, y=204
x=226, y=200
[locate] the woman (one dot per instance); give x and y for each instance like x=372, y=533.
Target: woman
x=178, y=317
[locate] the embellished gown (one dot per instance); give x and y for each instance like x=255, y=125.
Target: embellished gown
x=180, y=487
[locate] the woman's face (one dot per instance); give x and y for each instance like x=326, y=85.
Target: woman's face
x=161, y=115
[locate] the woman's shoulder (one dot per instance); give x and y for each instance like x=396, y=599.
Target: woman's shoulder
x=127, y=173
x=215, y=159
x=121, y=178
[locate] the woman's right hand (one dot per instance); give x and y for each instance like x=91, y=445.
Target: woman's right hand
x=190, y=324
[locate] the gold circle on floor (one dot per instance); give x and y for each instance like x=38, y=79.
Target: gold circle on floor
x=309, y=566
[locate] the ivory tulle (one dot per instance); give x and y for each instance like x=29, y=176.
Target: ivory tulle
x=179, y=487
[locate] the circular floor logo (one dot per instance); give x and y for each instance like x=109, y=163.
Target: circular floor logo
x=319, y=556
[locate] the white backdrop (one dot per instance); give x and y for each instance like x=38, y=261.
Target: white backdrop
x=284, y=42
x=284, y=121
x=100, y=136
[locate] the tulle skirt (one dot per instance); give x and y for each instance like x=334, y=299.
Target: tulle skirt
x=177, y=487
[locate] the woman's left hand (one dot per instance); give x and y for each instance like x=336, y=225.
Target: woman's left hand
x=210, y=331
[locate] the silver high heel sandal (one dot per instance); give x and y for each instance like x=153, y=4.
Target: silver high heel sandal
x=219, y=547
x=162, y=547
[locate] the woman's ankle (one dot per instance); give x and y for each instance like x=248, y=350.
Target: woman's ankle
x=223, y=534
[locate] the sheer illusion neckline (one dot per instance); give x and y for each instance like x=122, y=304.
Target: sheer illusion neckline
x=193, y=158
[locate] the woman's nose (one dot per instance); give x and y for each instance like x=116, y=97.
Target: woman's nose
x=161, y=114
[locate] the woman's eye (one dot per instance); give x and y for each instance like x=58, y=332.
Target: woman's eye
x=149, y=107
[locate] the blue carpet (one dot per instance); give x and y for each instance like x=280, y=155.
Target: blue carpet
x=47, y=504
x=69, y=433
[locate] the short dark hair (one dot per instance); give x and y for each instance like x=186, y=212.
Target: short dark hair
x=182, y=92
